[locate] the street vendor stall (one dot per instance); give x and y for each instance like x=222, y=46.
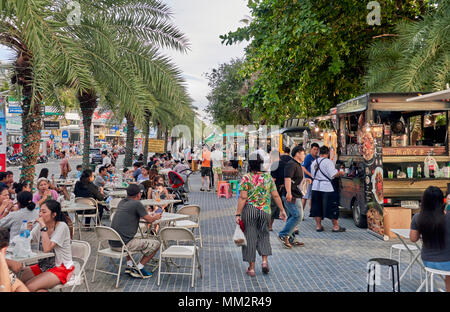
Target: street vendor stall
x=392, y=149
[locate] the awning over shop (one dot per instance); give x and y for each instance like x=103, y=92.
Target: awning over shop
x=435, y=96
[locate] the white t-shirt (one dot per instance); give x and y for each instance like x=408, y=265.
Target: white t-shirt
x=106, y=161
x=321, y=183
x=13, y=221
x=61, y=237
x=217, y=158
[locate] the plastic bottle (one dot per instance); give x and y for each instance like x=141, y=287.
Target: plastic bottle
x=419, y=171
x=24, y=231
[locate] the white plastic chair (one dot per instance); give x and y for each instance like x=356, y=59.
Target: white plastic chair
x=82, y=214
x=105, y=233
x=80, y=250
x=178, y=251
x=193, y=223
x=432, y=272
x=401, y=247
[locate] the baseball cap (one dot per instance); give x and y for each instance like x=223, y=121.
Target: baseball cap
x=133, y=190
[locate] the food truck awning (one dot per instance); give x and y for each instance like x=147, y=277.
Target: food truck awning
x=435, y=96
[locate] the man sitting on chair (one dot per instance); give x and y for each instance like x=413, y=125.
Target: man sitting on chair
x=126, y=222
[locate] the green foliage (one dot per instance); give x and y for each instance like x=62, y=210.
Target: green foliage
x=225, y=99
x=417, y=59
x=307, y=56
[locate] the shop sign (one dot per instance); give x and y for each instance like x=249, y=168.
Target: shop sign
x=65, y=134
x=413, y=151
x=356, y=105
x=13, y=109
x=51, y=125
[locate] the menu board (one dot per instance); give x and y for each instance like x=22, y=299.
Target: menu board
x=156, y=146
x=371, y=147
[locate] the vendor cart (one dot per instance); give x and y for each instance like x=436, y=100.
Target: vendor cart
x=392, y=146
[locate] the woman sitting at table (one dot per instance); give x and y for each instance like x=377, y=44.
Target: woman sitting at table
x=52, y=185
x=9, y=268
x=144, y=176
x=160, y=180
x=6, y=204
x=13, y=221
x=22, y=187
x=432, y=224
x=44, y=192
x=53, y=233
x=85, y=188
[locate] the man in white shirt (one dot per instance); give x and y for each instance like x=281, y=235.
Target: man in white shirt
x=217, y=164
x=323, y=199
x=106, y=160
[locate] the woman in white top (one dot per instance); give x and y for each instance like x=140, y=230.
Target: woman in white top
x=323, y=196
x=13, y=221
x=53, y=232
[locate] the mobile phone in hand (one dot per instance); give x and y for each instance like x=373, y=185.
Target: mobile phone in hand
x=159, y=210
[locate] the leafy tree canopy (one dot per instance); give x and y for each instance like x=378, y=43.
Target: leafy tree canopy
x=307, y=56
x=225, y=99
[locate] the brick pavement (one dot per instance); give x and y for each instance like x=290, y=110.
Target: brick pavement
x=329, y=262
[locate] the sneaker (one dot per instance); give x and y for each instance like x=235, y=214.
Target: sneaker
x=145, y=274
x=128, y=269
x=285, y=241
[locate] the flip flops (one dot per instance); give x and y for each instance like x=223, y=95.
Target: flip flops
x=341, y=229
x=320, y=230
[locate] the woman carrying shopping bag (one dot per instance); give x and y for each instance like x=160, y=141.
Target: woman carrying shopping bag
x=253, y=209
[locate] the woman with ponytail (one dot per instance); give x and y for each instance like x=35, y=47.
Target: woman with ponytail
x=53, y=233
x=432, y=224
x=27, y=211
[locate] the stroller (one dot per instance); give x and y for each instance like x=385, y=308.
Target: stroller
x=179, y=186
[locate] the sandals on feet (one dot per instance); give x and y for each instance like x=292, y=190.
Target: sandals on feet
x=250, y=272
x=320, y=230
x=265, y=268
x=341, y=229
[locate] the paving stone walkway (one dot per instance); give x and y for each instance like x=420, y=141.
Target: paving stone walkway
x=329, y=262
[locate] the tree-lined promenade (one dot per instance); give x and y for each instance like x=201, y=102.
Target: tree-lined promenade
x=106, y=54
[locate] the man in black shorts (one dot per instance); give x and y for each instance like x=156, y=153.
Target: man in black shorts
x=206, y=167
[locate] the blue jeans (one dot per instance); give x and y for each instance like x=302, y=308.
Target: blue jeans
x=294, y=213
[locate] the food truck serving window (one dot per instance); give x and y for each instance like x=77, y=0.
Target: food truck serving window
x=418, y=128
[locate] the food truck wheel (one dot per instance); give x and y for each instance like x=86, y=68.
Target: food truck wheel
x=359, y=219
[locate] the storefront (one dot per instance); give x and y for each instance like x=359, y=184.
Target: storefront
x=392, y=149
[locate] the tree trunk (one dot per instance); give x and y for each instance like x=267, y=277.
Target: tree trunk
x=166, y=138
x=146, y=135
x=31, y=116
x=88, y=104
x=128, y=162
x=159, y=132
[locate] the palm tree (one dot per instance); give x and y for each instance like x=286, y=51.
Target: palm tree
x=417, y=59
x=44, y=54
x=121, y=48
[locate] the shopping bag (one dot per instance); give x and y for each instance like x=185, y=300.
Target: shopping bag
x=239, y=237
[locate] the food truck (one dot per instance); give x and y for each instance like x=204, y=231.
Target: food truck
x=392, y=146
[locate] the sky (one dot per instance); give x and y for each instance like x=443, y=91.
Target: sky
x=202, y=21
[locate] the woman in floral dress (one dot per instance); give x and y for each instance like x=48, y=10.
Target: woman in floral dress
x=256, y=189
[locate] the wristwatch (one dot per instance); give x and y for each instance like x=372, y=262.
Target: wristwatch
x=44, y=229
